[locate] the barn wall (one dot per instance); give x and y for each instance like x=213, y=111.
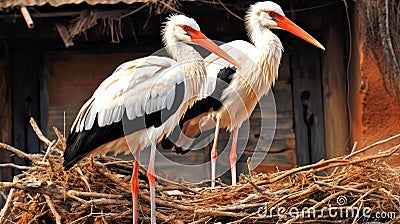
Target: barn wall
x=72, y=79
x=379, y=109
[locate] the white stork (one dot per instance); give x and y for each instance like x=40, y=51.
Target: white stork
x=231, y=102
x=142, y=101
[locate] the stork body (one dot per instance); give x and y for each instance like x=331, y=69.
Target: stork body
x=142, y=101
x=259, y=70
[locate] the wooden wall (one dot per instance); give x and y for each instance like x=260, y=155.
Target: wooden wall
x=26, y=62
x=5, y=109
x=71, y=80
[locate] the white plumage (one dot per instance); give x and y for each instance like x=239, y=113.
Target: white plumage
x=141, y=86
x=258, y=72
x=128, y=106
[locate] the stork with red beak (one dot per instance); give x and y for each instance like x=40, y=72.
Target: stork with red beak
x=142, y=101
x=258, y=72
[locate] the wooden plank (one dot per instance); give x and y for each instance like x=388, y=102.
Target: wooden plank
x=284, y=69
x=6, y=113
x=283, y=97
x=281, y=122
x=26, y=69
x=334, y=91
x=308, y=103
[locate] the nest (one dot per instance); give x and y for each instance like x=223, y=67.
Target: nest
x=98, y=191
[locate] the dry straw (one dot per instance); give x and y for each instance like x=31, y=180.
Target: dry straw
x=97, y=190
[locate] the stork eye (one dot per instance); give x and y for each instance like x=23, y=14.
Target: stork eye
x=272, y=14
x=185, y=27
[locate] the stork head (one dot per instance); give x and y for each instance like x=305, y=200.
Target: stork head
x=177, y=29
x=270, y=15
x=180, y=28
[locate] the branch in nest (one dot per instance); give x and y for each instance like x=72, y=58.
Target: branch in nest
x=371, y=146
x=53, y=209
x=8, y=205
x=37, y=186
x=38, y=132
x=16, y=151
x=15, y=166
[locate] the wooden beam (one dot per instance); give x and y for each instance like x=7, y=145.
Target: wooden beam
x=26, y=62
x=308, y=103
x=6, y=113
x=27, y=17
x=335, y=84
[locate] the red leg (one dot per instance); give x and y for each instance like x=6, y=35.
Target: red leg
x=214, y=154
x=152, y=183
x=135, y=186
x=233, y=155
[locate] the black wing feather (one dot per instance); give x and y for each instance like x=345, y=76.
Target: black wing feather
x=80, y=144
x=213, y=101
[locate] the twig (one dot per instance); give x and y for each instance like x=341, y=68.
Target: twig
x=7, y=206
x=53, y=209
x=390, y=195
x=346, y=188
x=387, y=153
x=358, y=213
x=104, y=201
x=306, y=191
x=102, y=169
x=229, y=11
x=133, y=12
x=60, y=138
x=371, y=146
x=362, y=197
x=83, y=178
x=42, y=188
x=15, y=166
x=217, y=213
x=36, y=218
x=16, y=151
x=166, y=182
x=241, y=207
x=49, y=147
x=303, y=168
x=38, y=132
x=202, y=220
x=254, y=185
x=324, y=201
x=249, y=167
x=92, y=194
x=160, y=216
x=352, y=151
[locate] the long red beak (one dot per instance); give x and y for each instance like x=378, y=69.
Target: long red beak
x=200, y=39
x=291, y=27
